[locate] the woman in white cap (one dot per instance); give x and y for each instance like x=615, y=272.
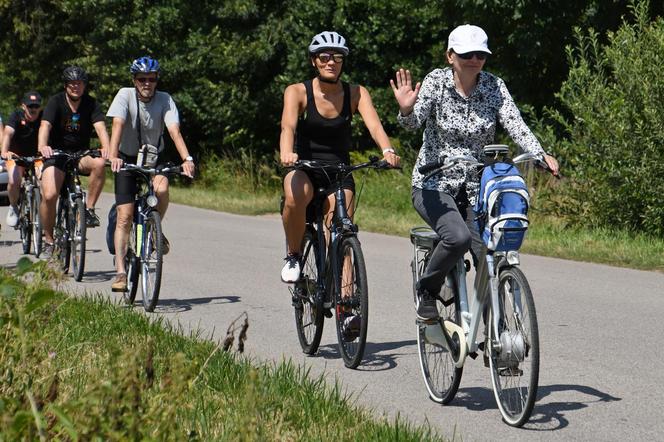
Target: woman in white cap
x=460, y=107
x=316, y=125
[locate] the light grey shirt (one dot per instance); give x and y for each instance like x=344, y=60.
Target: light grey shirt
x=155, y=116
x=456, y=125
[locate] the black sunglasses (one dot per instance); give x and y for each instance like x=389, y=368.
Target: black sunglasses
x=468, y=55
x=146, y=79
x=325, y=57
x=33, y=106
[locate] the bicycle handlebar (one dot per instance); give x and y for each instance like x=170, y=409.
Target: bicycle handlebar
x=445, y=163
x=160, y=169
x=94, y=153
x=373, y=163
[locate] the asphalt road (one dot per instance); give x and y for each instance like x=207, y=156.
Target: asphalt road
x=601, y=374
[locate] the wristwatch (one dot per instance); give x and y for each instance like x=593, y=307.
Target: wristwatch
x=189, y=158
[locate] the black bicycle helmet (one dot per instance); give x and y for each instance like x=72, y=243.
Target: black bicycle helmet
x=75, y=73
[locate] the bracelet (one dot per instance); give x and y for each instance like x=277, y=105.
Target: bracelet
x=389, y=149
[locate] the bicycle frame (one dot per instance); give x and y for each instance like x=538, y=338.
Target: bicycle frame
x=341, y=226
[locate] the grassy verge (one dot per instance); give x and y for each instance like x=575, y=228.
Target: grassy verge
x=78, y=369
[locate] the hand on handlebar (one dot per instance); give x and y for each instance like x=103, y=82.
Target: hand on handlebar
x=46, y=151
x=289, y=158
x=188, y=168
x=392, y=159
x=552, y=165
x=116, y=164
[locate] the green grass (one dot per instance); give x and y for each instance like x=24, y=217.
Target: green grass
x=84, y=369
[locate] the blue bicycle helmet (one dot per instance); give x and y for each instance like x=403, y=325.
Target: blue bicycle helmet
x=144, y=65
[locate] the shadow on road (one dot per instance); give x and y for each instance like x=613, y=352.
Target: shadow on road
x=96, y=277
x=183, y=305
x=8, y=243
x=373, y=360
x=546, y=416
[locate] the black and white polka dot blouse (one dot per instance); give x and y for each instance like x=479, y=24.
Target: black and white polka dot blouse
x=456, y=125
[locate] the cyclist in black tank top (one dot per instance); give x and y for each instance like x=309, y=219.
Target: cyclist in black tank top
x=316, y=125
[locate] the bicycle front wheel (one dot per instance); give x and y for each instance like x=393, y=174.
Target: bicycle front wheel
x=441, y=376
x=77, y=234
x=61, y=235
x=307, y=301
x=151, y=261
x=36, y=222
x=132, y=265
x=514, y=354
x=352, y=302
x=24, y=210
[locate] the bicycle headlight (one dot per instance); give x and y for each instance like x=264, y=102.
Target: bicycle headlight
x=513, y=257
x=152, y=201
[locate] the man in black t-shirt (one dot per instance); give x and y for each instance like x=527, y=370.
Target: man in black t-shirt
x=67, y=124
x=20, y=137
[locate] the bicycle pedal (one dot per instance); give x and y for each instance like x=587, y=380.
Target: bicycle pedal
x=327, y=313
x=473, y=355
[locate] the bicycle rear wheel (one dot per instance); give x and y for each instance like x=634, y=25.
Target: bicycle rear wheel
x=77, y=233
x=24, y=221
x=441, y=376
x=61, y=243
x=151, y=261
x=36, y=222
x=352, y=302
x=515, y=363
x=307, y=301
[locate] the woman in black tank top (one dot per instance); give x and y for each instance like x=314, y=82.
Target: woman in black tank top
x=316, y=125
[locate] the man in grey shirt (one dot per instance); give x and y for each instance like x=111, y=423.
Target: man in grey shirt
x=140, y=114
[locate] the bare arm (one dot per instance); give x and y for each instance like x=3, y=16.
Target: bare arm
x=293, y=102
x=42, y=139
x=176, y=136
x=102, y=133
x=5, y=142
x=371, y=120
x=114, y=144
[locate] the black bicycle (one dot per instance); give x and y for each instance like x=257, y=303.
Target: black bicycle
x=29, y=224
x=333, y=273
x=69, y=232
x=145, y=251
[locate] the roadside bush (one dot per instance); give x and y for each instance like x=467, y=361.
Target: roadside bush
x=614, y=126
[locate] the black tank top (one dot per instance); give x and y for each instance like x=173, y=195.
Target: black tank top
x=320, y=138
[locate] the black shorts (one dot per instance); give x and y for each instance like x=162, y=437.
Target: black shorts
x=59, y=163
x=321, y=181
x=126, y=183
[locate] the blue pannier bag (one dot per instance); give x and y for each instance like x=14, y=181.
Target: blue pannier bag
x=502, y=207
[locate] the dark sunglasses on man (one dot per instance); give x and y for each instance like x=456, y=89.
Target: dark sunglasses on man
x=478, y=54
x=324, y=57
x=146, y=79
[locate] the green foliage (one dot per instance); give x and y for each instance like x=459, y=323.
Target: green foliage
x=613, y=122
x=228, y=62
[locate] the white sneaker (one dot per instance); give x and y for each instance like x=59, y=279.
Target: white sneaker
x=12, y=217
x=291, y=271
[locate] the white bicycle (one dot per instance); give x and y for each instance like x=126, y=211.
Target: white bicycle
x=501, y=300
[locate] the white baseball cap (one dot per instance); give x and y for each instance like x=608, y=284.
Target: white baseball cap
x=468, y=38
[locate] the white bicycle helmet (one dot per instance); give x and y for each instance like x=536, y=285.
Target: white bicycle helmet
x=328, y=40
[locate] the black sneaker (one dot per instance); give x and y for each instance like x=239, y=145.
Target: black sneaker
x=426, y=307
x=91, y=218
